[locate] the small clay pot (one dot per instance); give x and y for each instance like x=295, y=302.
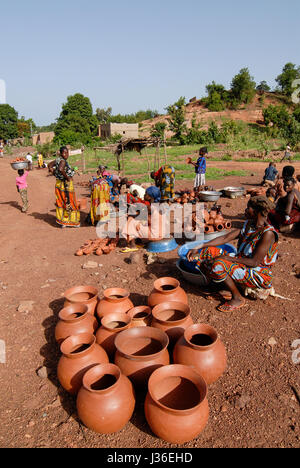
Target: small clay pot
x=213, y=214
x=219, y=227
x=141, y=350
x=206, y=215
x=115, y=300
x=111, y=324
x=201, y=348
x=176, y=406
x=227, y=225
x=208, y=229
x=167, y=289
x=106, y=400
x=173, y=318
x=87, y=295
x=79, y=353
x=73, y=320
x=141, y=316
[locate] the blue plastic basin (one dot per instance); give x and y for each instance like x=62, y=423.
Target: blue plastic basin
x=184, y=249
x=165, y=245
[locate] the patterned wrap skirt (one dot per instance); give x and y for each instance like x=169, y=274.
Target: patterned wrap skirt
x=67, y=212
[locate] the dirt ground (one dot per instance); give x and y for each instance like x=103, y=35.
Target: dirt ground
x=255, y=403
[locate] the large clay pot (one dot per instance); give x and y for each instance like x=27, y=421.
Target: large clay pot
x=176, y=406
x=73, y=320
x=79, y=353
x=111, y=324
x=141, y=316
x=106, y=400
x=173, y=318
x=115, y=300
x=165, y=290
x=141, y=350
x=87, y=295
x=200, y=347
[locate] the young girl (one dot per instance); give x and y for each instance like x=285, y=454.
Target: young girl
x=21, y=182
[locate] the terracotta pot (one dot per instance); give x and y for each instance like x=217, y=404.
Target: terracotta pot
x=227, y=225
x=87, y=295
x=106, y=400
x=141, y=350
x=219, y=219
x=111, y=324
x=173, y=318
x=176, y=406
x=219, y=227
x=167, y=289
x=79, y=353
x=206, y=215
x=213, y=214
x=73, y=320
x=141, y=316
x=201, y=348
x=115, y=300
x=208, y=229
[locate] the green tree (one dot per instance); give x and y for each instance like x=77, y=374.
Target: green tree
x=176, y=119
x=285, y=80
x=8, y=122
x=296, y=114
x=103, y=115
x=158, y=130
x=263, y=87
x=243, y=87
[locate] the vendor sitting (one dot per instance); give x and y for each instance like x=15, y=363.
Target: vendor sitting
x=271, y=176
x=287, y=211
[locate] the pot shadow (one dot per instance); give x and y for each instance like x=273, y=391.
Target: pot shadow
x=14, y=204
x=51, y=354
x=138, y=299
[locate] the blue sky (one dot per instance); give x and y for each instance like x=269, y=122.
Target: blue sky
x=134, y=55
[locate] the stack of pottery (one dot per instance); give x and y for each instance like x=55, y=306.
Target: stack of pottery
x=132, y=351
x=214, y=221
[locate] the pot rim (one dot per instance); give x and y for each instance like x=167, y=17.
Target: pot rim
x=204, y=328
x=66, y=313
x=100, y=370
x=181, y=306
x=139, y=310
x=176, y=370
x=115, y=316
x=165, y=281
x=116, y=292
x=78, y=289
x=137, y=332
x=73, y=340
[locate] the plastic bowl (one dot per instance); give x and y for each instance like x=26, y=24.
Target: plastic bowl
x=195, y=278
x=165, y=245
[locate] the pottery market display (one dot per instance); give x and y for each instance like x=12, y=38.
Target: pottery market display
x=111, y=324
x=87, y=295
x=173, y=318
x=73, y=320
x=141, y=350
x=106, y=400
x=165, y=290
x=79, y=353
x=200, y=347
x=176, y=406
x=115, y=300
x=141, y=316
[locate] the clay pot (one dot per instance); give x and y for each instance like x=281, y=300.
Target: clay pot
x=208, y=229
x=219, y=227
x=141, y=350
x=219, y=219
x=201, y=348
x=111, y=324
x=115, y=300
x=73, y=320
x=227, y=225
x=173, y=318
x=79, y=353
x=213, y=214
x=176, y=406
x=141, y=316
x=106, y=400
x=87, y=295
x=206, y=215
x=167, y=289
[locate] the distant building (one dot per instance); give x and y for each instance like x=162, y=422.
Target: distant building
x=124, y=129
x=42, y=138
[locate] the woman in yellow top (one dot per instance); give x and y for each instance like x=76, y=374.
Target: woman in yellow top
x=40, y=161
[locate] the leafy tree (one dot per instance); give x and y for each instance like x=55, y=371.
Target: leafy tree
x=296, y=114
x=8, y=122
x=218, y=97
x=242, y=87
x=176, y=120
x=263, y=87
x=158, y=130
x=285, y=80
x=103, y=115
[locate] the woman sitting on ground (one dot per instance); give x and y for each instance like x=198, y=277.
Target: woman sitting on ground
x=287, y=211
x=256, y=254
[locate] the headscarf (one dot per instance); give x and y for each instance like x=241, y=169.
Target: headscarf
x=154, y=193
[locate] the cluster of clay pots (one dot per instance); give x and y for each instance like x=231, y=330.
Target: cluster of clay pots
x=190, y=196
x=214, y=221
x=97, y=246
x=111, y=350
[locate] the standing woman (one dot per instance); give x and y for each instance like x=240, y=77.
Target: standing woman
x=100, y=198
x=67, y=212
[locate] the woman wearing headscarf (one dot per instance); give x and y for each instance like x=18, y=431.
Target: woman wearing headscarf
x=100, y=200
x=67, y=211
x=151, y=224
x=252, y=266
x=165, y=180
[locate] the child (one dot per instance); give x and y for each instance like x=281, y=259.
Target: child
x=200, y=168
x=271, y=176
x=271, y=194
x=21, y=182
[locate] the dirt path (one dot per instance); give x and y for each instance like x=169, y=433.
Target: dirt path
x=254, y=404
